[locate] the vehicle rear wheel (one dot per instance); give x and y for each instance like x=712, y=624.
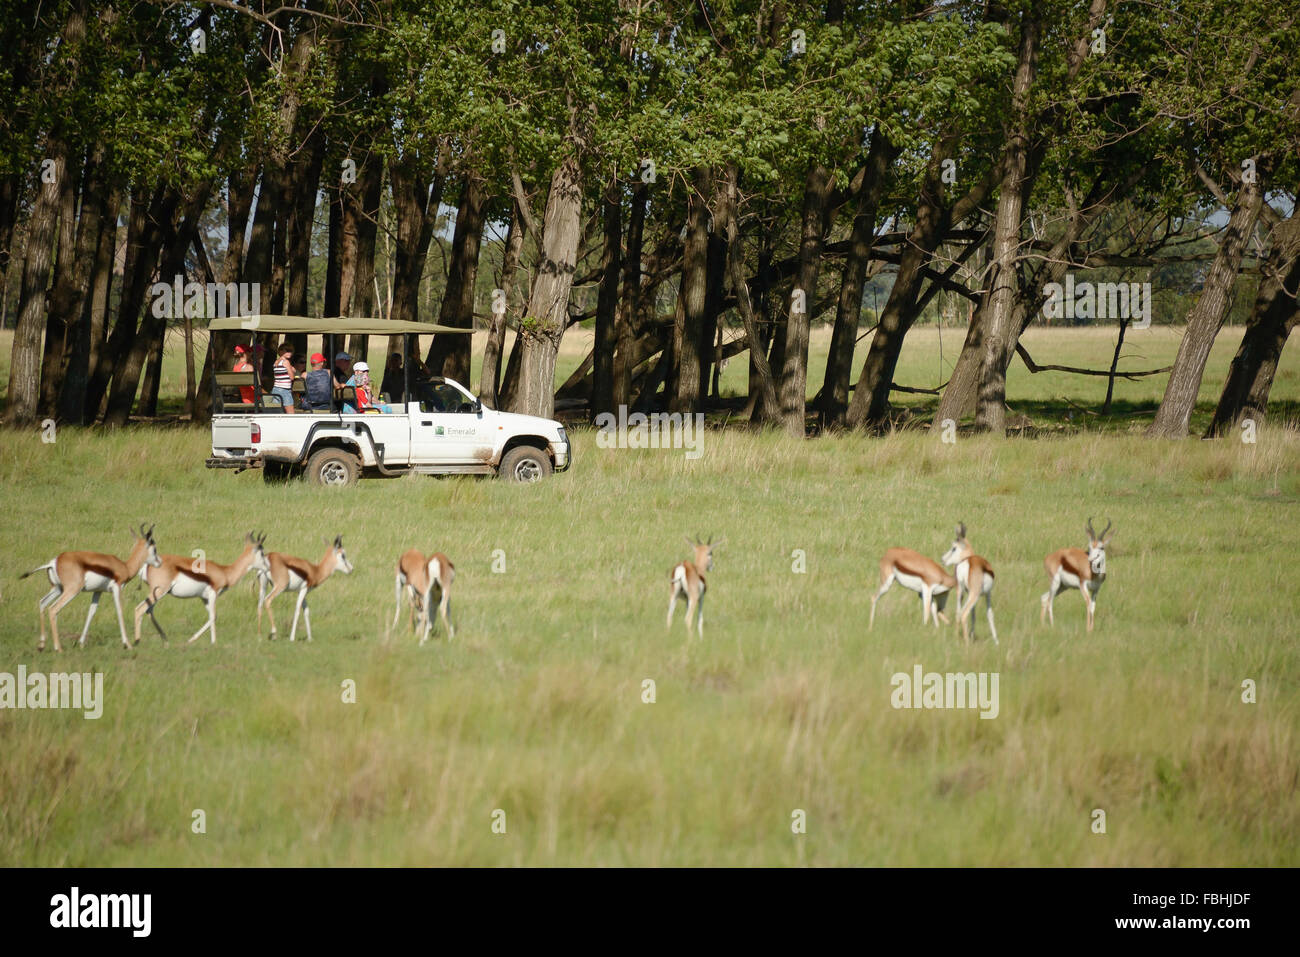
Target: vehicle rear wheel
x=525, y=463
x=333, y=467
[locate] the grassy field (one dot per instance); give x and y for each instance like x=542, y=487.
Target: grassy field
x=536, y=709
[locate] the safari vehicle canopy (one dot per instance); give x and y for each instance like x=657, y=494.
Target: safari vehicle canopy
x=332, y=331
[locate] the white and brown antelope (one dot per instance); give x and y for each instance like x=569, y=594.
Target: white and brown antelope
x=687, y=578
x=1076, y=568
x=71, y=573
x=419, y=576
x=198, y=578
x=286, y=572
x=975, y=577
x=922, y=575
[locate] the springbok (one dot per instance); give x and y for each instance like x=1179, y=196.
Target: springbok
x=920, y=574
x=1076, y=568
x=419, y=576
x=71, y=573
x=195, y=578
x=301, y=576
x=687, y=578
x=975, y=576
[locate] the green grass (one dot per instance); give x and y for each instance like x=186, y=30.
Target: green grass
x=536, y=707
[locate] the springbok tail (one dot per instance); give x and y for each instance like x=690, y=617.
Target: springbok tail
x=38, y=568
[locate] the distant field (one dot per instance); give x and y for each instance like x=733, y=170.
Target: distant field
x=536, y=709
x=929, y=354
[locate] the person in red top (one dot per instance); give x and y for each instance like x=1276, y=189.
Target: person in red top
x=243, y=365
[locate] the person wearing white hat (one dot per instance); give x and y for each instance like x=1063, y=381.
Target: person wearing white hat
x=360, y=381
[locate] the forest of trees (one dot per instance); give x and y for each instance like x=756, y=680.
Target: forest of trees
x=699, y=180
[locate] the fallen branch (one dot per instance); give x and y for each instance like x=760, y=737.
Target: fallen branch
x=1033, y=366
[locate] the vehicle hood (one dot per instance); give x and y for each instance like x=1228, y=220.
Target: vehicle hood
x=518, y=423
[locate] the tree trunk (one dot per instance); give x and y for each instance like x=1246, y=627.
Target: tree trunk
x=361, y=221
x=630, y=304
x=611, y=264
x=547, y=313
x=688, y=323
x=152, y=380
x=490, y=377
x=1276, y=313
x=25, y=361
x=1207, y=316
x=848, y=309
x=794, y=374
x=58, y=320
x=766, y=405
x=1001, y=334
x=71, y=295
x=450, y=354
x=25, y=358
x=301, y=217
x=240, y=191
x=73, y=401
x=869, y=407
x=175, y=240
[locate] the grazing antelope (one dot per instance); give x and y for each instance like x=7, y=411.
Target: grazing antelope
x=920, y=574
x=975, y=576
x=301, y=576
x=1075, y=568
x=71, y=573
x=188, y=578
x=688, y=579
x=419, y=576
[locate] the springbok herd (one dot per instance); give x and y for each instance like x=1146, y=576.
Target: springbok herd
x=71, y=573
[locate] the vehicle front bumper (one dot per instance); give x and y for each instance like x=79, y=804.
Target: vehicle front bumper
x=562, y=454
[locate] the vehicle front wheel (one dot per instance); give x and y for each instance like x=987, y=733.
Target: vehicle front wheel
x=525, y=463
x=333, y=467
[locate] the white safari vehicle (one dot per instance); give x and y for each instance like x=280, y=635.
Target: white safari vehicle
x=437, y=427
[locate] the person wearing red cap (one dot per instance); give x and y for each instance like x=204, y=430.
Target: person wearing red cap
x=243, y=365
x=319, y=394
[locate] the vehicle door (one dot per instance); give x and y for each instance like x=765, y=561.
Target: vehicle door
x=447, y=428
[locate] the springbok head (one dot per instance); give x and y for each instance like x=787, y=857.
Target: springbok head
x=341, y=557
x=145, y=536
x=960, y=549
x=1097, y=547
x=261, y=564
x=704, y=551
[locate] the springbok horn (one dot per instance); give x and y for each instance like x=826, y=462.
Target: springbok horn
x=1106, y=529
x=1091, y=533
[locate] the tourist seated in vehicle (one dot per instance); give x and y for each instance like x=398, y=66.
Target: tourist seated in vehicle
x=361, y=385
x=342, y=370
x=394, y=385
x=242, y=364
x=319, y=396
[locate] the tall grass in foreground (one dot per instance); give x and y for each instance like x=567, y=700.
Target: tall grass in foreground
x=536, y=709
